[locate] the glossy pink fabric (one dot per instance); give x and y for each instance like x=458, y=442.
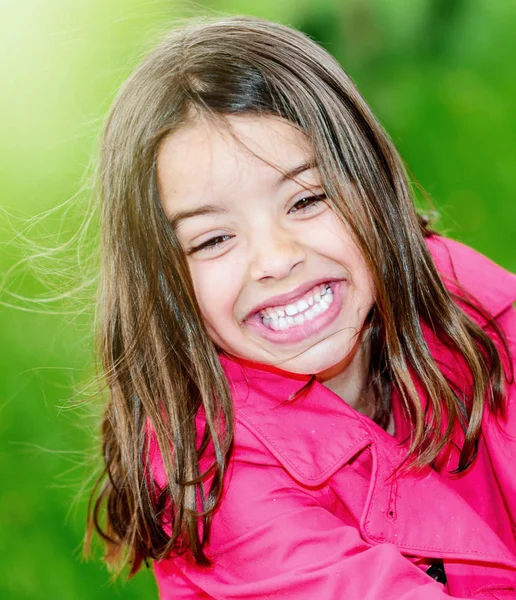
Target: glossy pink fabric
x=309, y=512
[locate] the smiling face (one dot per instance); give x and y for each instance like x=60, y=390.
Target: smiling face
x=276, y=274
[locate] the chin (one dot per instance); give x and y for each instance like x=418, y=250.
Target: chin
x=317, y=363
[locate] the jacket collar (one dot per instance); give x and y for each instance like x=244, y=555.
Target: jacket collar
x=294, y=431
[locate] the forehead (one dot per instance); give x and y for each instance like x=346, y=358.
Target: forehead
x=200, y=160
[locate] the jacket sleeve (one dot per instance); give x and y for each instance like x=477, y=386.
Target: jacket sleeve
x=271, y=538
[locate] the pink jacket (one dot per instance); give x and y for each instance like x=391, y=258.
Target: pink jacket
x=308, y=512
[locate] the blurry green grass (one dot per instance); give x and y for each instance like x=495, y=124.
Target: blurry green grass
x=439, y=79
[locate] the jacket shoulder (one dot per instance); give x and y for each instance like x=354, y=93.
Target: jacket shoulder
x=472, y=275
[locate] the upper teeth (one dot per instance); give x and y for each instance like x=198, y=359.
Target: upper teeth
x=300, y=306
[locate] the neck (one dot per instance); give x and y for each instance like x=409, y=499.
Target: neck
x=348, y=379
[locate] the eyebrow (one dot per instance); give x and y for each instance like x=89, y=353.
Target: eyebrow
x=208, y=209
x=311, y=164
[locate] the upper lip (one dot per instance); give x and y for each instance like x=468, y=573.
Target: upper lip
x=287, y=298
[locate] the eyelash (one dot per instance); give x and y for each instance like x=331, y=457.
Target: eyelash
x=214, y=242
x=313, y=200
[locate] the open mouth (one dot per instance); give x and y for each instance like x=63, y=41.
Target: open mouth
x=314, y=303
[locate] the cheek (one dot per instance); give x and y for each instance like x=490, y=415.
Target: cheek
x=363, y=287
x=363, y=278
x=336, y=242
x=344, y=250
x=332, y=238
x=215, y=291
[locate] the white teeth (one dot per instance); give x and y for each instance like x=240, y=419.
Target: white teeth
x=276, y=324
x=299, y=319
x=302, y=312
x=302, y=305
x=291, y=309
x=309, y=315
x=319, y=292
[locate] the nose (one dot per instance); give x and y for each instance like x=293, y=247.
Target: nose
x=275, y=252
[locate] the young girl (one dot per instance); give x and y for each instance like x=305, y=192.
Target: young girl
x=311, y=392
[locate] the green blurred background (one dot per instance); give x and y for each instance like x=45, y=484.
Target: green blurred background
x=440, y=76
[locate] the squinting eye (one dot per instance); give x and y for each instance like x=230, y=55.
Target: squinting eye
x=308, y=203
x=210, y=244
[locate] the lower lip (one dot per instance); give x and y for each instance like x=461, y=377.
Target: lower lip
x=307, y=329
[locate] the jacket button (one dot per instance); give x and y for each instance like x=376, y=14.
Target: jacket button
x=437, y=572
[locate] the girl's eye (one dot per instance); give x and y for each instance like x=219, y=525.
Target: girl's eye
x=303, y=205
x=308, y=203
x=211, y=244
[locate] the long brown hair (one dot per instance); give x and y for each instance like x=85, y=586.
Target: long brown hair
x=160, y=365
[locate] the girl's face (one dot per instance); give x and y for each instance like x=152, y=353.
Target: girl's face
x=276, y=274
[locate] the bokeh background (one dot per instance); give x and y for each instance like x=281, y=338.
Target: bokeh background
x=440, y=76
